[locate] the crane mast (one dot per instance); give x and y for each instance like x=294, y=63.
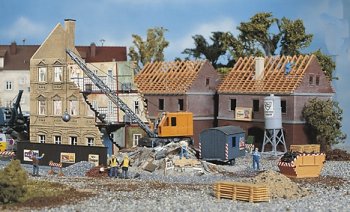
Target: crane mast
x=110, y=94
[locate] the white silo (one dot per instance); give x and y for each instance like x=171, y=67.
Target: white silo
x=273, y=123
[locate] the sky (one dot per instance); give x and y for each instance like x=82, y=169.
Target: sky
x=114, y=21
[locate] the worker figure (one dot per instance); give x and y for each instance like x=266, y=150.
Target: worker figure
x=35, y=160
x=113, y=163
x=256, y=158
x=184, y=149
x=125, y=166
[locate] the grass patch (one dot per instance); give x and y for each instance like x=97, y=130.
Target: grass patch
x=41, y=194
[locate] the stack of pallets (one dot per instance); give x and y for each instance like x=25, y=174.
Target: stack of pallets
x=242, y=191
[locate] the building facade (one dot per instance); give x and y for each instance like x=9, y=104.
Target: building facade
x=180, y=86
x=294, y=79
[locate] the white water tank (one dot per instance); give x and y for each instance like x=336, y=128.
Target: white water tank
x=272, y=112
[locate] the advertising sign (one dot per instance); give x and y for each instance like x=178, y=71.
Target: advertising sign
x=243, y=114
x=93, y=159
x=27, y=154
x=67, y=157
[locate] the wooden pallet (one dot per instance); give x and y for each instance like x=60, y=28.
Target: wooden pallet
x=307, y=148
x=242, y=191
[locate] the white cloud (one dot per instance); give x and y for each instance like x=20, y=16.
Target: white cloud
x=25, y=28
x=205, y=29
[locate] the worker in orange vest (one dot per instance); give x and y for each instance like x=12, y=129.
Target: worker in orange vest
x=125, y=166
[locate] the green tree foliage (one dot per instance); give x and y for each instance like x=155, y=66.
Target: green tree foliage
x=203, y=49
x=150, y=50
x=12, y=181
x=257, y=31
x=293, y=37
x=323, y=122
x=327, y=64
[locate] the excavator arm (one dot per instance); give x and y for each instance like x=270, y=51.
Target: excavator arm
x=110, y=94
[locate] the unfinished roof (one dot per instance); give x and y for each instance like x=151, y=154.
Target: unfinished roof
x=168, y=77
x=275, y=77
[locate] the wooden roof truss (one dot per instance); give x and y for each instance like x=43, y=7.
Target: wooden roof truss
x=168, y=77
x=275, y=80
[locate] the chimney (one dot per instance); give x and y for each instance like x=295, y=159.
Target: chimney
x=13, y=48
x=92, y=50
x=70, y=33
x=259, y=68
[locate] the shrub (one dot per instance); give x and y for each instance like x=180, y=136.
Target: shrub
x=12, y=181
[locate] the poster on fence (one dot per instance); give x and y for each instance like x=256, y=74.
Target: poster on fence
x=67, y=157
x=93, y=159
x=27, y=153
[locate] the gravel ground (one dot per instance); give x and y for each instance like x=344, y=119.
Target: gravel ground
x=191, y=190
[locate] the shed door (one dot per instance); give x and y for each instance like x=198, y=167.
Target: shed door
x=232, y=146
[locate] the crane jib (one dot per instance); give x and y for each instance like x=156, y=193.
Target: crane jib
x=109, y=93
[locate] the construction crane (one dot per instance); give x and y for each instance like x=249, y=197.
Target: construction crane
x=110, y=94
x=169, y=126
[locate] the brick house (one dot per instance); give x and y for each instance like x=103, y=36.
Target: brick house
x=294, y=79
x=180, y=86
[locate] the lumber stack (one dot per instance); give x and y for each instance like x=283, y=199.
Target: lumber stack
x=242, y=191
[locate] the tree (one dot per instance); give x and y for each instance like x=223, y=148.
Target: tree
x=211, y=52
x=293, y=37
x=326, y=63
x=150, y=50
x=257, y=31
x=323, y=122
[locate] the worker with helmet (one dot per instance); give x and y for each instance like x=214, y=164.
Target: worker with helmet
x=125, y=166
x=113, y=163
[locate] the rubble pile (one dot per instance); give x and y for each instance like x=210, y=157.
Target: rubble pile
x=164, y=159
x=280, y=186
x=78, y=169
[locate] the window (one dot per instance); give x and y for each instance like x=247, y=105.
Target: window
x=317, y=80
x=73, y=140
x=135, y=139
x=58, y=74
x=57, y=107
x=42, y=107
x=256, y=105
x=161, y=104
x=58, y=139
x=311, y=79
x=90, y=141
x=180, y=103
x=207, y=81
x=42, y=74
x=233, y=141
x=284, y=106
x=233, y=104
x=8, y=85
x=41, y=139
x=173, y=121
x=136, y=106
x=73, y=107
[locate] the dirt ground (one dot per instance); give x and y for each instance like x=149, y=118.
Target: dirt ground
x=338, y=155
